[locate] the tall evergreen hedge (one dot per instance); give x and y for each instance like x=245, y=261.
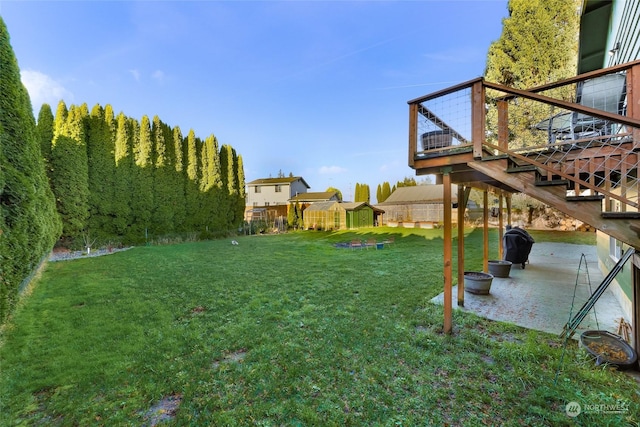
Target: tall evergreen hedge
x=81, y=177
x=29, y=223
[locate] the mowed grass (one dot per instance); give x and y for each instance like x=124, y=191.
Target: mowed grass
x=284, y=330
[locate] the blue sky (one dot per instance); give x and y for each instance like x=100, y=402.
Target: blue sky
x=314, y=88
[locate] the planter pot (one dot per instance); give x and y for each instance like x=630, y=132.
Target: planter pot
x=477, y=282
x=500, y=268
x=609, y=348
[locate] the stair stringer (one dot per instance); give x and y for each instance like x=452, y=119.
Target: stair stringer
x=624, y=229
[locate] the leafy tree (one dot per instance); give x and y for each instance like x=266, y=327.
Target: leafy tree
x=332, y=189
x=44, y=129
x=383, y=192
x=142, y=191
x=123, y=152
x=299, y=215
x=292, y=217
x=192, y=190
x=101, y=169
x=215, y=212
x=408, y=181
x=241, y=200
x=29, y=224
x=386, y=190
x=362, y=193
x=538, y=45
x=164, y=190
x=179, y=209
x=69, y=171
x=229, y=183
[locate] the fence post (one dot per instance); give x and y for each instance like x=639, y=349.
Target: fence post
x=477, y=117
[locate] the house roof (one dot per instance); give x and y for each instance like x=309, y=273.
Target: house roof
x=419, y=194
x=282, y=180
x=594, y=30
x=314, y=196
x=322, y=206
x=351, y=206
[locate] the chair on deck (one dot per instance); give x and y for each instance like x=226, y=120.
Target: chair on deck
x=606, y=93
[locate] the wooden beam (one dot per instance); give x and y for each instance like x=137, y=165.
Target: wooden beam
x=503, y=124
x=635, y=300
x=617, y=118
x=500, y=226
x=624, y=229
x=448, y=243
x=463, y=197
x=556, y=171
x=485, y=231
x=477, y=118
x=633, y=100
x=413, y=133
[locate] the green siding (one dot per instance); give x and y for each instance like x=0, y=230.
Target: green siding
x=624, y=278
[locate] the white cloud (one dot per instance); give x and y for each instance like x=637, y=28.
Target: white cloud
x=136, y=74
x=331, y=170
x=44, y=90
x=158, y=75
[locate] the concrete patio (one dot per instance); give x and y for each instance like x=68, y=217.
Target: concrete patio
x=540, y=296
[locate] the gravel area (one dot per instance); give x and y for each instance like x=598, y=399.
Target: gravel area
x=66, y=256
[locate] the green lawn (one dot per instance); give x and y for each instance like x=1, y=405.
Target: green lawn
x=285, y=330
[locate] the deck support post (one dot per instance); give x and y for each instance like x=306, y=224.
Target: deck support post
x=448, y=244
x=635, y=301
x=485, y=230
x=463, y=198
x=633, y=100
x=500, y=225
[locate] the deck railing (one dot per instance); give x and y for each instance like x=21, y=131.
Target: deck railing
x=585, y=129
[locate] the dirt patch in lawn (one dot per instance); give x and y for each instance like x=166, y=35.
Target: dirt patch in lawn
x=164, y=410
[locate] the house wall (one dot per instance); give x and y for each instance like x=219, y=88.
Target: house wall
x=417, y=212
x=297, y=187
x=358, y=218
x=332, y=219
x=621, y=286
x=273, y=194
x=625, y=30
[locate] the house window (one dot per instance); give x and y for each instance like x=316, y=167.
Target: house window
x=615, y=248
x=266, y=203
x=278, y=188
x=257, y=189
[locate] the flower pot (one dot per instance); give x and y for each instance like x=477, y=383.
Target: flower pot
x=477, y=282
x=609, y=348
x=499, y=268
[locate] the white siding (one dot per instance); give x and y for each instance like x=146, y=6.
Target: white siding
x=625, y=30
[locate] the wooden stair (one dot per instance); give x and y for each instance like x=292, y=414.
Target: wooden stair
x=527, y=179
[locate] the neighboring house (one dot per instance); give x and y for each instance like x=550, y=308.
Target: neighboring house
x=273, y=194
x=306, y=199
x=333, y=215
x=612, y=38
x=416, y=206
